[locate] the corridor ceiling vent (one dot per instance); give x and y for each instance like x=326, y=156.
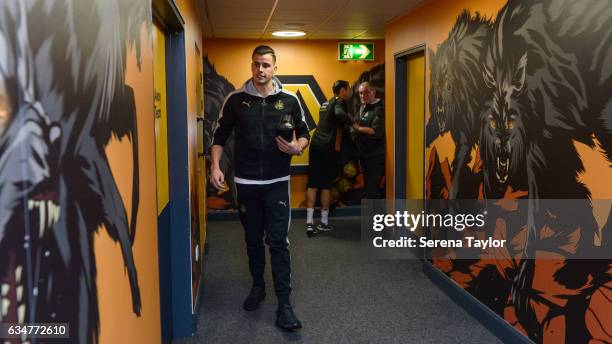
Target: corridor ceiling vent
x=289, y=33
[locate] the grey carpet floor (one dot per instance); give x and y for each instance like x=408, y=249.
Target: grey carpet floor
x=340, y=296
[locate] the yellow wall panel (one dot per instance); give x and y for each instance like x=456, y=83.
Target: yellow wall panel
x=313, y=106
x=416, y=126
x=161, y=118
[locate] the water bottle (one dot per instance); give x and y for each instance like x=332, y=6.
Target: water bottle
x=285, y=127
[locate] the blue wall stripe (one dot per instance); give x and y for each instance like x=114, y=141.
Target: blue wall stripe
x=296, y=213
x=180, y=251
x=165, y=287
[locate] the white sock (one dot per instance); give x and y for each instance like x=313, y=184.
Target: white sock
x=324, y=216
x=309, y=214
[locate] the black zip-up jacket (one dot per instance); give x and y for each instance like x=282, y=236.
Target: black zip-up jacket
x=253, y=119
x=372, y=146
x=333, y=114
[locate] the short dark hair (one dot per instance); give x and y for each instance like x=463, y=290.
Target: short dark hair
x=338, y=85
x=263, y=50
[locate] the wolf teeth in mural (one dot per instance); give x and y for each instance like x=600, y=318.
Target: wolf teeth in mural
x=457, y=93
x=62, y=96
x=547, y=70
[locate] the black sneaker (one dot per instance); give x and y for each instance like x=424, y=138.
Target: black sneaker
x=255, y=297
x=322, y=227
x=310, y=230
x=286, y=319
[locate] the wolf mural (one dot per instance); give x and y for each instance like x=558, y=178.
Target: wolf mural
x=62, y=97
x=546, y=67
x=544, y=71
x=216, y=89
x=457, y=93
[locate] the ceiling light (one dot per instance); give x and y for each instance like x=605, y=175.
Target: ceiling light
x=289, y=33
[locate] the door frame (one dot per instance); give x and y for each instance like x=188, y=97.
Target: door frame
x=174, y=235
x=401, y=120
x=401, y=130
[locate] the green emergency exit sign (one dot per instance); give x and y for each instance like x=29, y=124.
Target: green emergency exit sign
x=356, y=51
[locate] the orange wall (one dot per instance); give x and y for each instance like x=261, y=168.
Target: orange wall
x=193, y=38
x=232, y=59
x=118, y=324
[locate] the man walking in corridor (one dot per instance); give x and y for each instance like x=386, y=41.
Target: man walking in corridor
x=262, y=160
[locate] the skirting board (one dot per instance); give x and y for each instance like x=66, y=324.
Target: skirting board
x=296, y=213
x=489, y=319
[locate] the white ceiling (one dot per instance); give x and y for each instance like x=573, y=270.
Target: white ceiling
x=320, y=19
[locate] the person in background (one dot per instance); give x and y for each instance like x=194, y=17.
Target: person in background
x=324, y=154
x=370, y=140
x=262, y=157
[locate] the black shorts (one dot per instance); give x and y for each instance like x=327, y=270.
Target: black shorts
x=322, y=167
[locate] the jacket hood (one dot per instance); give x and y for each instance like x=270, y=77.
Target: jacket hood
x=249, y=87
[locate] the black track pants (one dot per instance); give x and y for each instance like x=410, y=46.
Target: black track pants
x=265, y=209
x=373, y=171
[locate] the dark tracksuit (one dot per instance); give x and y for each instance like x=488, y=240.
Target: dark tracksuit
x=323, y=158
x=262, y=176
x=371, y=148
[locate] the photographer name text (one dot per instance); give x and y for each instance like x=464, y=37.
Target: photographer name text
x=408, y=242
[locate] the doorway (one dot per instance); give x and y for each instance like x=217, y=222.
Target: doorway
x=410, y=124
x=172, y=156
x=410, y=133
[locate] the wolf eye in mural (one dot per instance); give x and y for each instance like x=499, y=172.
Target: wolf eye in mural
x=547, y=66
x=456, y=93
x=546, y=69
x=503, y=136
x=62, y=97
